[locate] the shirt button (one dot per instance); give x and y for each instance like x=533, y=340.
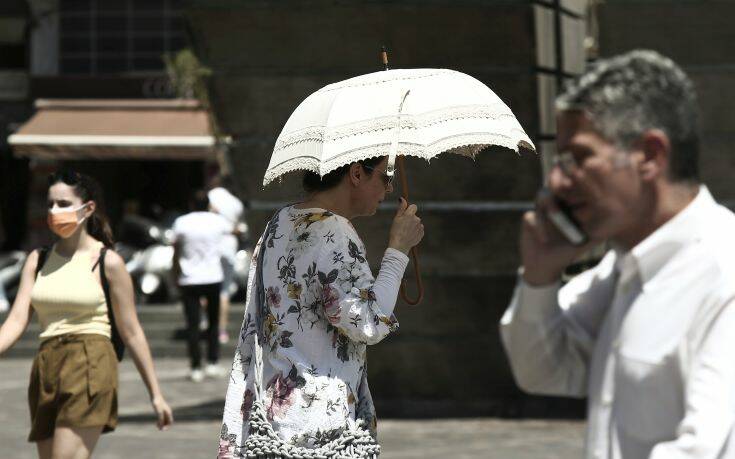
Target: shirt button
x=606, y=400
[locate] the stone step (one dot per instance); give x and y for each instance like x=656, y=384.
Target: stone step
x=163, y=313
x=164, y=326
x=159, y=347
x=175, y=330
x=153, y=312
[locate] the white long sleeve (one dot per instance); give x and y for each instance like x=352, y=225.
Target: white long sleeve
x=388, y=282
x=356, y=303
x=549, y=342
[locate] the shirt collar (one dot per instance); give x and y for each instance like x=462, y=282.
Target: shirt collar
x=651, y=254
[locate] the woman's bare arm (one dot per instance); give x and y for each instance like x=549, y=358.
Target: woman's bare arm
x=126, y=319
x=20, y=314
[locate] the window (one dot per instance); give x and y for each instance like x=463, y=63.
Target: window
x=103, y=37
x=560, y=55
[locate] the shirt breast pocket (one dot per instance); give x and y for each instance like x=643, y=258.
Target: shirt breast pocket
x=648, y=396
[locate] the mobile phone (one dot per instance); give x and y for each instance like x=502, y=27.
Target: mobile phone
x=565, y=222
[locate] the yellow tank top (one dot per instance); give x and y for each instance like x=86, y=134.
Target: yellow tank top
x=68, y=297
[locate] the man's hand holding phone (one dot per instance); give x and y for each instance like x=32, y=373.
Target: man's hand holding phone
x=550, y=241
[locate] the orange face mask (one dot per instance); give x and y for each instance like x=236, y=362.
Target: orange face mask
x=63, y=222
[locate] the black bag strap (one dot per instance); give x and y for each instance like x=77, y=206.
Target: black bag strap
x=103, y=278
x=42, y=256
x=117, y=341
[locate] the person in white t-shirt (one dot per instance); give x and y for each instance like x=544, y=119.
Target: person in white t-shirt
x=224, y=203
x=197, y=262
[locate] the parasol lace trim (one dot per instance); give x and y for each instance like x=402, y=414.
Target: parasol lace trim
x=463, y=144
x=425, y=120
x=303, y=163
x=311, y=134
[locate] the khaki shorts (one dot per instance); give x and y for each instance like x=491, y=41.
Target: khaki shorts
x=73, y=384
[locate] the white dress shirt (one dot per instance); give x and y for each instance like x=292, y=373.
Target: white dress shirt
x=647, y=335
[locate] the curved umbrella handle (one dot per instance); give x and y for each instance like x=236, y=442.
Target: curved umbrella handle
x=414, y=250
x=419, y=284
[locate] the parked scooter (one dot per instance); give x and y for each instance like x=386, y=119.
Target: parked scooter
x=147, y=249
x=11, y=267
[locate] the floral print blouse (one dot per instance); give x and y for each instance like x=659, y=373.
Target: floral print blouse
x=320, y=314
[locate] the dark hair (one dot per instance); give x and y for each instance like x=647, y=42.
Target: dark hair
x=629, y=94
x=88, y=189
x=199, y=201
x=313, y=183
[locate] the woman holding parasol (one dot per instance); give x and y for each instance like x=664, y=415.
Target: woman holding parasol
x=322, y=307
x=298, y=385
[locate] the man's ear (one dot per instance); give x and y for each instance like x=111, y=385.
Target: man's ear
x=356, y=174
x=656, y=148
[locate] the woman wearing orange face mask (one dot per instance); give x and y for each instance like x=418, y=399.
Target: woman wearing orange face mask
x=83, y=297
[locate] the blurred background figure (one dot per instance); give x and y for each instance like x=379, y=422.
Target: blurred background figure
x=198, y=237
x=226, y=204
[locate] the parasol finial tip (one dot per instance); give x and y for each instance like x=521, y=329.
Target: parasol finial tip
x=384, y=56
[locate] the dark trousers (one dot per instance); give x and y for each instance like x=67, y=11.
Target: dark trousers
x=191, y=295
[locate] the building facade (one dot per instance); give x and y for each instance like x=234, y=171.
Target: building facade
x=103, y=60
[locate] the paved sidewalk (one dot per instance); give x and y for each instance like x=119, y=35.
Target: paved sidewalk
x=198, y=410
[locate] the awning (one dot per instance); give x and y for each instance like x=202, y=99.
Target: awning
x=116, y=129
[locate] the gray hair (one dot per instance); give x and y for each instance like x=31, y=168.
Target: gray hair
x=626, y=95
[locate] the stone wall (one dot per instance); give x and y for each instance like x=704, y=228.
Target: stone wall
x=699, y=37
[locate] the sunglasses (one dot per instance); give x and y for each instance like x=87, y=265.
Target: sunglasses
x=68, y=177
x=387, y=179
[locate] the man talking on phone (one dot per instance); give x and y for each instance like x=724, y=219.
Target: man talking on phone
x=648, y=335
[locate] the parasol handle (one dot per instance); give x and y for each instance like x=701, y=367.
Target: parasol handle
x=414, y=251
x=419, y=284
x=404, y=189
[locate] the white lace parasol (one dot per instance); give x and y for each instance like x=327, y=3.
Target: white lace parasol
x=412, y=112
